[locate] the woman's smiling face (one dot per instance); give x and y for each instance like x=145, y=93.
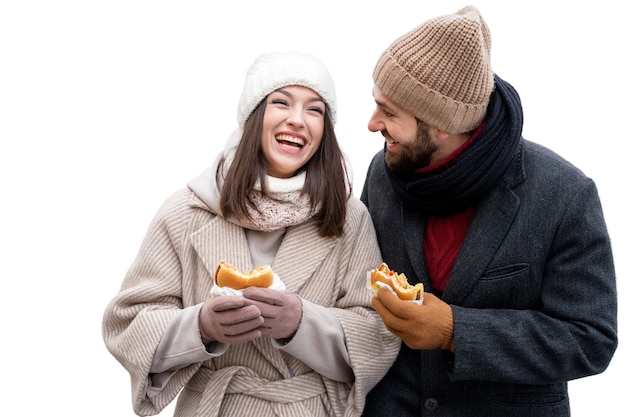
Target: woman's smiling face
x=293, y=125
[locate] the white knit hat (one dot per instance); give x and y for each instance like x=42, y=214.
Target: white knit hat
x=274, y=70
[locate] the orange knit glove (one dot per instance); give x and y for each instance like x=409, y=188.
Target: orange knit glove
x=427, y=326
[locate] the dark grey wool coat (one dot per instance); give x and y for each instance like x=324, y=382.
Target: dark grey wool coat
x=533, y=295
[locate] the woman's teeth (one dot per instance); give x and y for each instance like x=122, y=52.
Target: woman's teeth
x=290, y=140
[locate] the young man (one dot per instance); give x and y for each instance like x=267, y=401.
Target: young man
x=508, y=238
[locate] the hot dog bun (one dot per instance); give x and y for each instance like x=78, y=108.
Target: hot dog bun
x=227, y=275
x=397, y=282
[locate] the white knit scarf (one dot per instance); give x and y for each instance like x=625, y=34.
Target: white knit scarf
x=282, y=206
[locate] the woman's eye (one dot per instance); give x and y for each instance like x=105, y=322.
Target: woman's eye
x=279, y=101
x=317, y=109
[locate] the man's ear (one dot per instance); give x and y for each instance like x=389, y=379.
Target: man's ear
x=440, y=134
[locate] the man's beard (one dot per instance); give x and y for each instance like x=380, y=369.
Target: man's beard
x=414, y=155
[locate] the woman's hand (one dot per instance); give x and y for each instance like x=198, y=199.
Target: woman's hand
x=281, y=311
x=229, y=319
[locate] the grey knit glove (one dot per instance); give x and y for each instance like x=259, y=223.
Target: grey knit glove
x=281, y=311
x=229, y=319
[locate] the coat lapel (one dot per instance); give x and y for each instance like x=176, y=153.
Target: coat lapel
x=300, y=254
x=219, y=239
x=485, y=235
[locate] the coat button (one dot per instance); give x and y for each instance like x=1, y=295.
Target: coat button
x=431, y=404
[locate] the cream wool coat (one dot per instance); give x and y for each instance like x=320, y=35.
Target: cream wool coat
x=174, y=270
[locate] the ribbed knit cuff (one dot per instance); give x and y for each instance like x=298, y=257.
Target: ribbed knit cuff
x=448, y=333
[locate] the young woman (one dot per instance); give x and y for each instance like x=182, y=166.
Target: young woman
x=278, y=194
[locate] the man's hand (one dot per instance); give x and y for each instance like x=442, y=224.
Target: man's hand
x=281, y=311
x=427, y=326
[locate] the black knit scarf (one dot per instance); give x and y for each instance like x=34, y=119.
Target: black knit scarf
x=476, y=170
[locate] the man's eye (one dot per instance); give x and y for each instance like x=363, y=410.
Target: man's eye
x=384, y=111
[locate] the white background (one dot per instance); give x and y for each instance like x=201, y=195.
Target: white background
x=107, y=107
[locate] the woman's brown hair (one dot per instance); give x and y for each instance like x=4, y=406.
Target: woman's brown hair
x=325, y=182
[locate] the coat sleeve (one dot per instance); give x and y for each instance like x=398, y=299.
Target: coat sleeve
x=136, y=319
x=371, y=348
x=320, y=343
x=572, y=332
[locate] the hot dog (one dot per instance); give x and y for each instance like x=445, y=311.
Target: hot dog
x=397, y=282
x=228, y=275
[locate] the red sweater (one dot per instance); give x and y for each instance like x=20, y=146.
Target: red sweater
x=443, y=238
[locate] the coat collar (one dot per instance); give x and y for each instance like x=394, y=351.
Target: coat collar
x=295, y=260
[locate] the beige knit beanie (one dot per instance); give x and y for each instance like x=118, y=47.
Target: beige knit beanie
x=441, y=71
